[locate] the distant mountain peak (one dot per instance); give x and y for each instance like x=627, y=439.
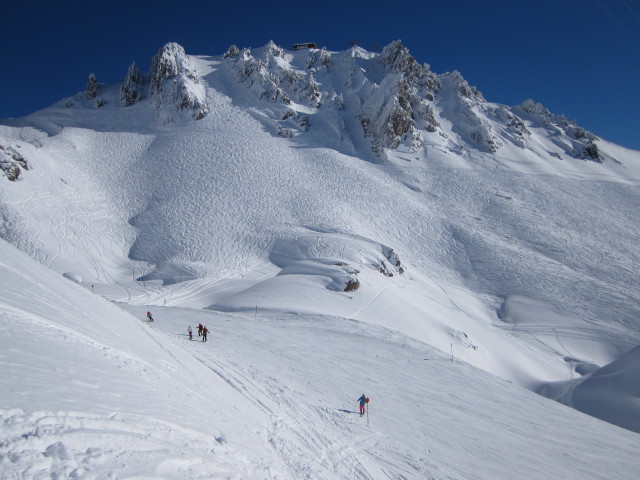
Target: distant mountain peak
x=396, y=58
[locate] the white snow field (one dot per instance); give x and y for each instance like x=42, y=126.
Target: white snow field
x=91, y=391
x=450, y=271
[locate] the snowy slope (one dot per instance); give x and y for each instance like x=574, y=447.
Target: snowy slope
x=272, y=179
x=90, y=391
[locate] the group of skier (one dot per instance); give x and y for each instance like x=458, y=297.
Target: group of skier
x=203, y=331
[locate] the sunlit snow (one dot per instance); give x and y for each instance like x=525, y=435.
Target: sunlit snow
x=481, y=283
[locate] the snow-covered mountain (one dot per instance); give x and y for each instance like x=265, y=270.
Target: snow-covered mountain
x=357, y=200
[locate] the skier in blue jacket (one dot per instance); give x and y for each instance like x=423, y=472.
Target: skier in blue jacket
x=362, y=401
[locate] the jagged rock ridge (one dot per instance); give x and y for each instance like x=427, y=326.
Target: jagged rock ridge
x=583, y=141
x=397, y=102
x=171, y=85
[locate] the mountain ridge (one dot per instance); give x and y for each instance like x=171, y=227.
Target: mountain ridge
x=406, y=117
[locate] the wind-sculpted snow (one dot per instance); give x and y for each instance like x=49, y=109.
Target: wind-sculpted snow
x=612, y=392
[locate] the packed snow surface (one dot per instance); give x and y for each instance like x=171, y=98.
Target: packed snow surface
x=92, y=391
x=448, y=273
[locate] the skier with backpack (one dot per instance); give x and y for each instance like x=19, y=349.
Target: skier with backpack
x=363, y=400
x=149, y=317
x=205, y=331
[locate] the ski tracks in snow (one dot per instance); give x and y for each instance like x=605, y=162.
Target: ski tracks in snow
x=300, y=387
x=295, y=432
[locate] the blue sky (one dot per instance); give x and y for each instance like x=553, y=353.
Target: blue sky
x=580, y=58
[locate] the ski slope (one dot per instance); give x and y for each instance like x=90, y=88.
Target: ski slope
x=270, y=395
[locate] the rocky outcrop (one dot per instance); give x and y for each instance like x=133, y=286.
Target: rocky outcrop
x=398, y=103
x=93, y=87
x=405, y=110
x=257, y=76
x=318, y=59
x=272, y=80
x=12, y=163
x=582, y=141
x=465, y=107
x=232, y=51
x=392, y=263
x=174, y=85
x=131, y=90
